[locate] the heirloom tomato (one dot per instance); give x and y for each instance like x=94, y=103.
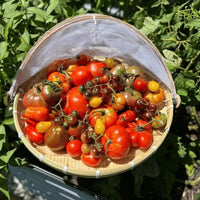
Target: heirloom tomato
x=39, y=113
x=117, y=101
x=34, y=135
x=140, y=84
x=81, y=75
x=73, y=148
x=76, y=101
x=91, y=161
x=126, y=117
x=145, y=139
x=60, y=79
x=155, y=97
x=51, y=92
x=116, y=142
x=33, y=97
x=106, y=113
x=56, y=137
x=97, y=68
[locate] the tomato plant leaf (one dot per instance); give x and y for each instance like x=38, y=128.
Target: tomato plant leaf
x=53, y=4
x=4, y=187
x=150, y=26
x=173, y=61
x=3, y=50
x=8, y=121
x=6, y=157
x=40, y=15
x=2, y=136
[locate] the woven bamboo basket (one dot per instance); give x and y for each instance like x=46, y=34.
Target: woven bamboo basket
x=32, y=71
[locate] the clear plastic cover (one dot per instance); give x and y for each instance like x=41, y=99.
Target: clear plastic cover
x=96, y=35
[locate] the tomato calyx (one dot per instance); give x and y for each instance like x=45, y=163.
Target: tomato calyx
x=108, y=142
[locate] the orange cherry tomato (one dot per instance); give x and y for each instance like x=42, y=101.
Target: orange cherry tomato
x=117, y=101
x=155, y=97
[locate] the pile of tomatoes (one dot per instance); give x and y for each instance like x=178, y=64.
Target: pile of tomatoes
x=93, y=108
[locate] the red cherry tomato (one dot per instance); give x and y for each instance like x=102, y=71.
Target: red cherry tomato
x=140, y=125
x=140, y=84
x=96, y=68
x=126, y=117
x=34, y=135
x=116, y=142
x=76, y=101
x=81, y=75
x=73, y=148
x=91, y=161
x=144, y=124
x=145, y=140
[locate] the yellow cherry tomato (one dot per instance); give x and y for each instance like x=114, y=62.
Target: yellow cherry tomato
x=110, y=62
x=153, y=86
x=95, y=102
x=42, y=126
x=99, y=127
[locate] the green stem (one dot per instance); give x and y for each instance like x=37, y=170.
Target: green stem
x=195, y=115
x=193, y=182
x=192, y=61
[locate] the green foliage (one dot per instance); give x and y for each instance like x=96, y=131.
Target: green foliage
x=173, y=27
